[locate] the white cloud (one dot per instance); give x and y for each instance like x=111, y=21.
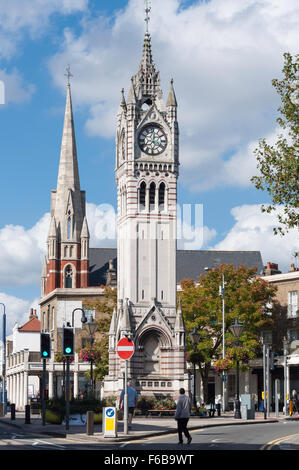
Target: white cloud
x=35, y=14
x=22, y=252
x=17, y=310
x=14, y=88
x=222, y=55
x=253, y=230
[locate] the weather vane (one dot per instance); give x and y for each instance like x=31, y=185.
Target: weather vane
x=68, y=74
x=147, y=12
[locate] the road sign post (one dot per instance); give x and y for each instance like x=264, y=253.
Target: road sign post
x=110, y=421
x=125, y=350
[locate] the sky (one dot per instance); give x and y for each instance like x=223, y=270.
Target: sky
x=222, y=56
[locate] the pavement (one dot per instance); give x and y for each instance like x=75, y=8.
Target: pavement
x=142, y=426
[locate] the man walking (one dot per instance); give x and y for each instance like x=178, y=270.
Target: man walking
x=132, y=398
x=182, y=416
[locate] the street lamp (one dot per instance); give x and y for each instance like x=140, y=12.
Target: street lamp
x=91, y=327
x=67, y=389
x=285, y=373
x=237, y=329
x=222, y=294
x=195, y=336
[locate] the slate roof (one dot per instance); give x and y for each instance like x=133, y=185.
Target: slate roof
x=190, y=263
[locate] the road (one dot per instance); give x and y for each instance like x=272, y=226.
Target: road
x=272, y=436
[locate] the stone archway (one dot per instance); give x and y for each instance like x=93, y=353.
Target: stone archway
x=151, y=343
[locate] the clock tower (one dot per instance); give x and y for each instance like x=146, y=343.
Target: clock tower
x=147, y=168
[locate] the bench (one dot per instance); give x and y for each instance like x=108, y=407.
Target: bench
x=211, y=408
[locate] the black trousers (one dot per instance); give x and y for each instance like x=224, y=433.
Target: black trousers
x=182, y=428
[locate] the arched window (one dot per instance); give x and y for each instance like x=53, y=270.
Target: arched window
x=68, y=277
x=152, y=196
x=161, y=197
x=142, y=191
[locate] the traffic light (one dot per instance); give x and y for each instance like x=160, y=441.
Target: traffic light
x=45, y=345
x=68, y=341
x=273, y=360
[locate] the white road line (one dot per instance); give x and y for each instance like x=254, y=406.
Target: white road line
x=46, y=443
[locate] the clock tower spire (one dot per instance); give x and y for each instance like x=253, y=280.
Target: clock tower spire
x=146, y=170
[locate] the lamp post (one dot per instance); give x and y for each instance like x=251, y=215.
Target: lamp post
x=67, y=388
x=195, y=340
x=285, y=373
x=91, y=327
x=222, y=294
x=237, y=329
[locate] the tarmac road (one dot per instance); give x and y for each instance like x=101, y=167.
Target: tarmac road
x=270, y=436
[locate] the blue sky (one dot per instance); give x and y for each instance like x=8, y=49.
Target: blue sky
x=222, y=55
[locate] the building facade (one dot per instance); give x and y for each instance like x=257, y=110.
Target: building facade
x=147, y=164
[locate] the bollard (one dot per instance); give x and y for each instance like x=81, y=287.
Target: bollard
x=1, y=409
x=12, y=411
x=27, y=414
x=89, y=423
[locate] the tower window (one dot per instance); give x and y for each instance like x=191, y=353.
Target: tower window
x=152, y=196
x=142, y=192
x=161, y=196
x=68, y=277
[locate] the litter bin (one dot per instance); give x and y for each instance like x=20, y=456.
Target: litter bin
x=218, y=408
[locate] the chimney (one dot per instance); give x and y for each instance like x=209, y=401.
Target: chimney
x=31, y=315
x=271, y=269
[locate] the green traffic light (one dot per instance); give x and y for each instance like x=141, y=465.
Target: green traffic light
x=45, y=354
x=68, y=350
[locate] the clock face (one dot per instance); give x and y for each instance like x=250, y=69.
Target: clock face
x=152, y=140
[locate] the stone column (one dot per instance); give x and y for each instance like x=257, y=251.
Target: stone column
x=13, y=391
x=17, y=401
x=51, y=384
x=21, y=395
x=25, y=389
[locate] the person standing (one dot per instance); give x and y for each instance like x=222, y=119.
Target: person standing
x=132, y=399
x=295, y=401
x=182, y=416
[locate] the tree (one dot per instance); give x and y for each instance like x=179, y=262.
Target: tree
x=247, y=298
x=105, y=306
x=278, y=163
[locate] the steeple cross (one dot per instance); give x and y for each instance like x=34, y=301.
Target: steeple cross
x=68, y=74
x=147, y=12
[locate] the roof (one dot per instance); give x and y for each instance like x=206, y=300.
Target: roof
x=32, y=325
x=190, y=263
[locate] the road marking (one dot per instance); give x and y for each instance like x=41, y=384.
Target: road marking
x=277, y=441
x=46, y=443
x=164, y=436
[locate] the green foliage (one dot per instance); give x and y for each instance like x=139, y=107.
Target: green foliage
x=110, y=401
x=105, y=306
x=77, y=406
x=53, y=417
x=278, y=163
x=246, y=298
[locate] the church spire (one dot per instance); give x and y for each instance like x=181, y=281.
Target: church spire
x=68, y=173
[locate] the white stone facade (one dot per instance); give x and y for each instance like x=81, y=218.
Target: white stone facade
x=147, y=164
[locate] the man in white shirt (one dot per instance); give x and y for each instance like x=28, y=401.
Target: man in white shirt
x=182, y=416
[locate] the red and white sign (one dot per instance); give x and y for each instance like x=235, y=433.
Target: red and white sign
x=125, y=348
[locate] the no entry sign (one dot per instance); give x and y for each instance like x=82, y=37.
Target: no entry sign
x=125, y=348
